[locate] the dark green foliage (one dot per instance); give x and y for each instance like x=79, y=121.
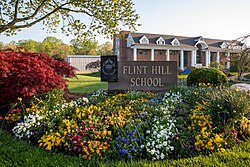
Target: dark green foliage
x=247, y=76
x=206, y=75
x=227, y=106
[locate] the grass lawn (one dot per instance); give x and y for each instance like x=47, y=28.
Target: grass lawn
x=86, y=83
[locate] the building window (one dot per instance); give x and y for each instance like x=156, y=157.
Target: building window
x=199, y=54
x=175, y=53
x=140, y=52
x=185, y=58
x=160, y=41
x=145, y=52
x=175, y=42
x=161, y=53
x=156, y=52
x=144, y=40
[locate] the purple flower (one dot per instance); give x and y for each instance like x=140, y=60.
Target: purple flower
x=192, y=139
x=129, y=156
x=123, y=151
x=192, y=147
x=142, y=138
x=118, y=137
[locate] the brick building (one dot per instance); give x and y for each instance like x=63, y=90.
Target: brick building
x=187, y=51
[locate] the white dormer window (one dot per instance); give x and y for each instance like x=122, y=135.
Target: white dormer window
x=160, y=41
x=200, y=39
x=175, y=42
x=144, y=40
x=223, y=45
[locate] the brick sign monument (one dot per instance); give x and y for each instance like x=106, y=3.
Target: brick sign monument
x=142, y=75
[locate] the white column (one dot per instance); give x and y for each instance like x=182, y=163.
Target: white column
x=228, y=60
x=206, y=59
x=195, y=58
x=182, y=60
x=209, y=58
x=218, y=57
x=167, y=55
x=152, y=55
x=135, y=54
x=192, y=58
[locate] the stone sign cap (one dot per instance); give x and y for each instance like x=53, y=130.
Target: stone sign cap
x=145, y=75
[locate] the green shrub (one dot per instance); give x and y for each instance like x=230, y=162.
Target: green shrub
x=206, y=75
x=247, y=76
x=228, y=105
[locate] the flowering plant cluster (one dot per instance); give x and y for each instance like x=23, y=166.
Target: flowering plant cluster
x=131, y=125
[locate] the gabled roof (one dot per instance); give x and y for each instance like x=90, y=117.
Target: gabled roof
x=187, y=42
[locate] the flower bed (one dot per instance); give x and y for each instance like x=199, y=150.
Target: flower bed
x=184, y=122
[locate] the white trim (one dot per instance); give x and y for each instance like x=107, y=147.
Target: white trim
x=130, y=40
x=161, y=47
x=175, y=42
x=202, y=44
x=159, y=40
x=144, y=40
x=223, y=45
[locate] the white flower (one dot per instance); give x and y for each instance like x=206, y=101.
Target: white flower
x=154, y=133
x=142, y=146
x=165, y=143
x=148, y=144
x=153, y=151
x=148, y=131
x=162, y=156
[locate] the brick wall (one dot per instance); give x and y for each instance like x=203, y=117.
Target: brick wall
x=145, y=56
x=160, y=55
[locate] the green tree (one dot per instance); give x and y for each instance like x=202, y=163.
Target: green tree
x=241, y=60
x=62, y=51
x=104, y=15
x=1, y=45
x=105, y=49
x=30, y=45
x=50, y=45
x=86, y=47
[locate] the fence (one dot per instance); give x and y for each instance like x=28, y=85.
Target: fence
x=80, y=61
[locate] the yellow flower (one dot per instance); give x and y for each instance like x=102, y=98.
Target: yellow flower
x=48, y=147
x=222, y=150
x=19, y=99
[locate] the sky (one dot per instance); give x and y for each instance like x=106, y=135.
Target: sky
x=218, y=19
